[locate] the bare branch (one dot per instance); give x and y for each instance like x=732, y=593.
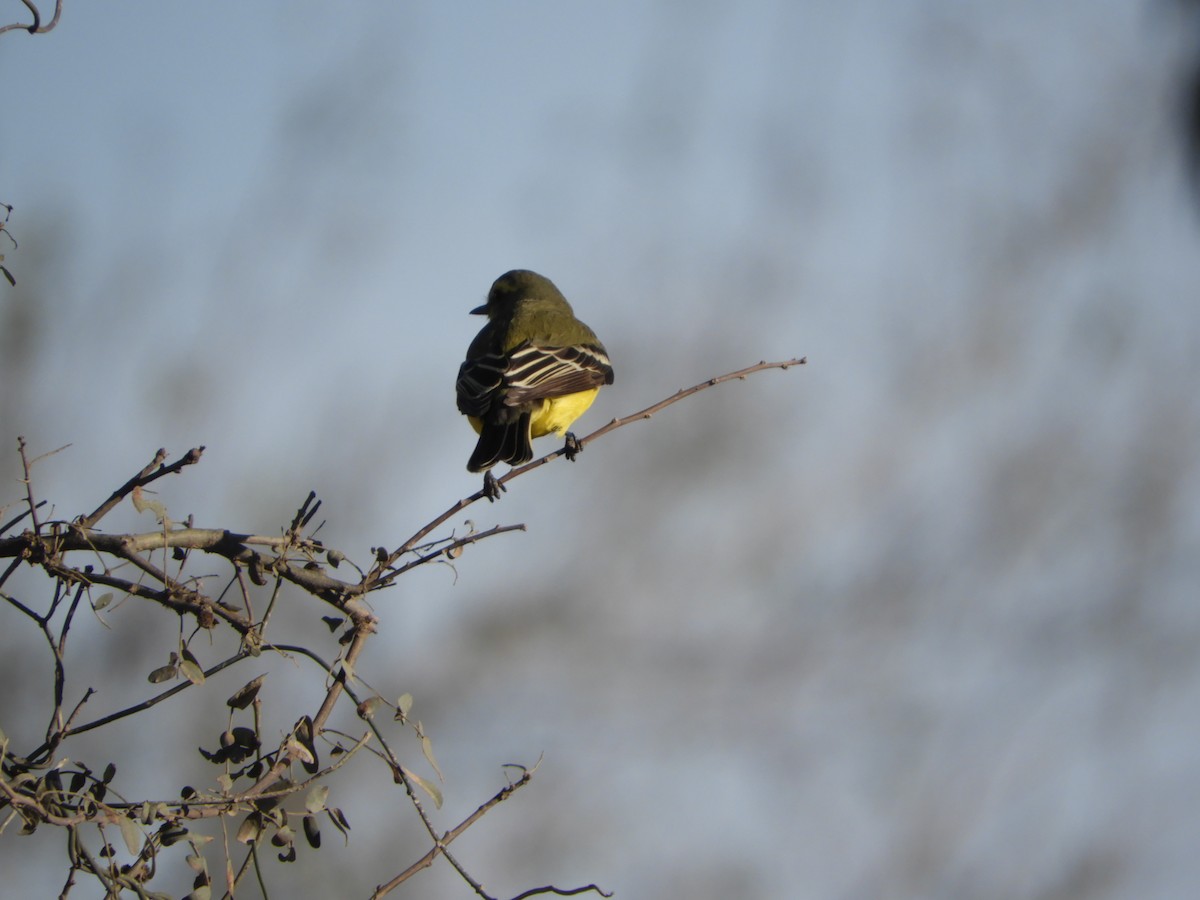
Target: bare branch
x=563, y=892
x=445, y=551
x=646, y=413
x=155, y=470
x=51, y=786
x=36, y=27
x=739, y=375
x=26, y=468
x=16, y=519
x=443, y=840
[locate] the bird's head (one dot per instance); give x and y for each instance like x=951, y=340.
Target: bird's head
x=514, y=287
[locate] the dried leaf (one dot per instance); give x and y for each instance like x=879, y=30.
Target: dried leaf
x=131, y=834
x=192, y=672
x=172, y=834
x=404, y=706
x=53, y=781
x=190, y=667
x=304, y=739
x=312, y=832
x=366, y=709
x=427, y=786
x=298, y=751
x=162, y=673
x=315, y=801
x=427, y=749
x=252, y=642
x=250, y=829
x=339, y=819
x=142, y=503
x=246, y=693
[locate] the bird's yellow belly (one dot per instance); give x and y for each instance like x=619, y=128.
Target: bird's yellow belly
x=556, y=414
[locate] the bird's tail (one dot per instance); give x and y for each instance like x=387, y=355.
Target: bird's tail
x=509, y=442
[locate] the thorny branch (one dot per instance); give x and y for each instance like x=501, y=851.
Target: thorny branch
x=256, y=783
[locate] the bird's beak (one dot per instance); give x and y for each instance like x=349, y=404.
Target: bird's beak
x=479, y=310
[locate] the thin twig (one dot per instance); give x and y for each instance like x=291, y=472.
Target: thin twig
x=448, y=837
x=36, y=27
x=13, y=521
x=22, y=607
x=646, y=413
x=38, y=754
x=739, y=375
x=26, y=466
x=363, y=630
x=563, y=892
x=152, y=472
x=444, y=551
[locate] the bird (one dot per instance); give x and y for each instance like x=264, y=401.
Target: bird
x=532, y=370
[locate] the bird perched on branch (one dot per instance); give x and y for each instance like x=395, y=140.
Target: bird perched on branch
x=532, y=370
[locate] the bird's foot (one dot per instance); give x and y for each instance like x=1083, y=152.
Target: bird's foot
x=491, y=487
x=572, y=448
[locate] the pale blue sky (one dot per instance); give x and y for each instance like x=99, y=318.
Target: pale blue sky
x=917, y=621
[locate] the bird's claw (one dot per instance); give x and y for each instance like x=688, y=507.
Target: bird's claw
x=572, y=448
x=491, y=487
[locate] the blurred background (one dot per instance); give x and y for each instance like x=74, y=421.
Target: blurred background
x=918, y=620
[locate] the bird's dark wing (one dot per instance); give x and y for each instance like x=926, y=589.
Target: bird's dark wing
x=535, y=373
x=479, y=383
